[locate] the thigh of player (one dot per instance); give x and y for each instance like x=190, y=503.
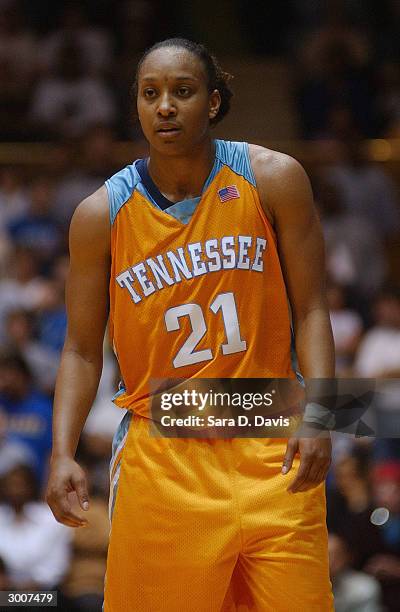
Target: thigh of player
x=175, y=533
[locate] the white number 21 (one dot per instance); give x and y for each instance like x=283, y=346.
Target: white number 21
x=187, y=354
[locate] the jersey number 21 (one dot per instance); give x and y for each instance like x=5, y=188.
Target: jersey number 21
x=187, y=355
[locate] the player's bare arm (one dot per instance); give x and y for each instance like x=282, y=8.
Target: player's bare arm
x=287, y=200
x=82, y=356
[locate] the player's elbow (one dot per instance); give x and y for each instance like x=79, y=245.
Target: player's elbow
x=89, y=354
x=315, y=309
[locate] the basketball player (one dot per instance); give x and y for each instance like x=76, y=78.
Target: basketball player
x=193, y=255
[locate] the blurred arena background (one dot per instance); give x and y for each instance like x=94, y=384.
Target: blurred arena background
x=316, y=79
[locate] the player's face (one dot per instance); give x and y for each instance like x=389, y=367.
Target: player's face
x=174, y=104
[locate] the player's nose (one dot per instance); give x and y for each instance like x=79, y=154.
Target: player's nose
x=166, y=106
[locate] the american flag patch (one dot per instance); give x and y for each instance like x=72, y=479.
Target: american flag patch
x=228, y=193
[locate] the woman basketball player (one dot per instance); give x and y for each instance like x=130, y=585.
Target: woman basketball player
x=193, y=254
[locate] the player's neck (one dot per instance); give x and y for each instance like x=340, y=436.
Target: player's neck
x=183, y=177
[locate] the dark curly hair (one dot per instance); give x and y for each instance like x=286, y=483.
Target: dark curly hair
x=216, y=77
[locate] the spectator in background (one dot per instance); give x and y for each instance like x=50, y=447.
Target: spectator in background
x=41, y=360
x=355, y=255
x=335, y=73
x=385, y=564
x=379, y=352
x=34, y=547
x=18, y=65
x=365, y=189
x=11, y=453
x=94, y=43
x=94, y=151
x=68, y=103
x=353, y=591
x=359, y=510
x=27, y=410
x=349, y=507
x=378, y=356
x=347, y=328
x=352, y=486
x=25, y=288
x=386, y=494
x=36, y=229
x=52, y=319
x=14, y=201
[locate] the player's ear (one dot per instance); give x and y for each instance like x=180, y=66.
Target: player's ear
x=214, y=104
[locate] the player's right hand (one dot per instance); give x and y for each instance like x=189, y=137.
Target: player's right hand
x=67, y=477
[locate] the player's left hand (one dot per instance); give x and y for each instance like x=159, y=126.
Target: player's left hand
x=315, y=459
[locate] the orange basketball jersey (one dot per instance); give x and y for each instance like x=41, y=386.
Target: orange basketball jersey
x=196, y=287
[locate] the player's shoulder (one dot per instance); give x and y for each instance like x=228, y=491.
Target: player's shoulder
x=93, y=209
x=90, y=224
x=274, y=165
x=281, y=180
x=277, y=172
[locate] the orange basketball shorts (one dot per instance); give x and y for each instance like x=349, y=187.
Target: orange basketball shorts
x=208, y=526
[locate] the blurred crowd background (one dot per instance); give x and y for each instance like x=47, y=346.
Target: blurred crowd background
x=318, y=79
